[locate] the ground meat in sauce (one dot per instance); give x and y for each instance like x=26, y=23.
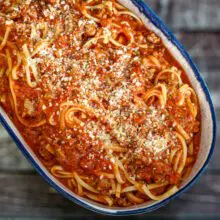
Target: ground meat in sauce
x=92, y=86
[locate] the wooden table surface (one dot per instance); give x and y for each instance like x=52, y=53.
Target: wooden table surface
x=23, y=193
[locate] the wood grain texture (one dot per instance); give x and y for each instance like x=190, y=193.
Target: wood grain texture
x=23, y=193
x=32, y=196
x=188, y=15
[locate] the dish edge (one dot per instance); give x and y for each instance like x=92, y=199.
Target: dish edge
x=156, y=21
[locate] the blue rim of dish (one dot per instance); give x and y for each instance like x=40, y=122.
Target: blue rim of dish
x=147, y=11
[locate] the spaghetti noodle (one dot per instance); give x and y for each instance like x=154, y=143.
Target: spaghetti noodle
x=99, y=99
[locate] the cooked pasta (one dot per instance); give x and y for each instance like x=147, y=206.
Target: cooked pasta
x=99, y=98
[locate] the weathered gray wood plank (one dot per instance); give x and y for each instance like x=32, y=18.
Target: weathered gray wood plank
x=29, y=195
x=11, y=158
x=188, y=14
x=203, y=47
